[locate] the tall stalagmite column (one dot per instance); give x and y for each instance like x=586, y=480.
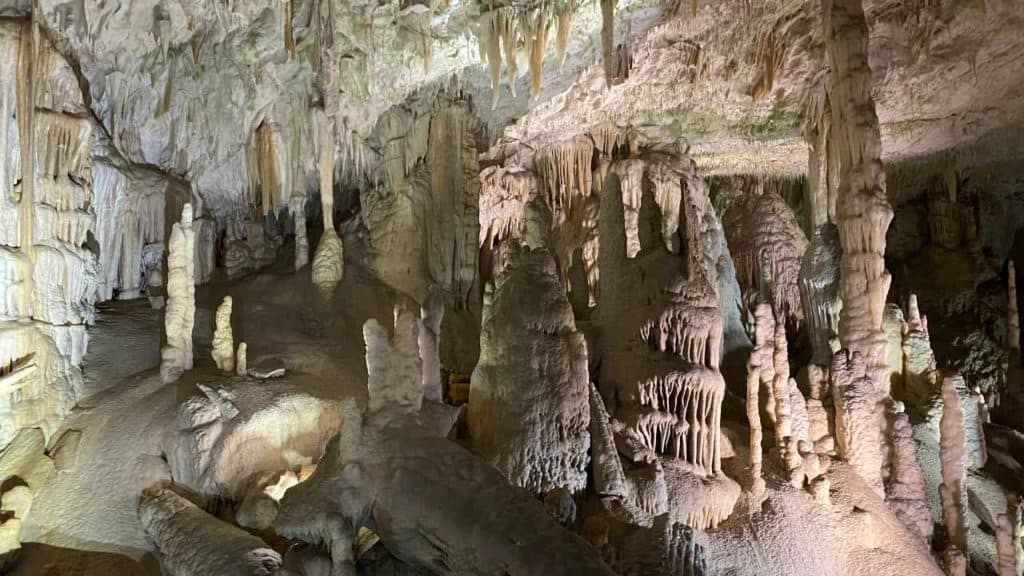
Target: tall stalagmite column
x=863, y=216
x=179, y=317
x=328, y=261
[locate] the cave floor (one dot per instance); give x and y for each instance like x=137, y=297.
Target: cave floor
x=84, y=519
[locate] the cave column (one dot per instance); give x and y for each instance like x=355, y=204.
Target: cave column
x=863, y=216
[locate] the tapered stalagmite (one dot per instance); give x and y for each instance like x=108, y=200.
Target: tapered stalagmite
x=863, y=216
x=759, y=365
x=953, y=490
x=241, y=359
x=223, y=342
x=179, y=319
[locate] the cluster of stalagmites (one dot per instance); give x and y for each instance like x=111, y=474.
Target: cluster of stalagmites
x=802, y=440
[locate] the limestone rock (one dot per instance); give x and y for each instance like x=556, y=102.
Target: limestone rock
x=528, y=411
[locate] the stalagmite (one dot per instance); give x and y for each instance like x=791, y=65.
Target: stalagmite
x=179, y=317
x=760, y=360
x=297, y=205
x=328, y=261
x=393, y=365
x=431, y=316
x=905, y=487
x=241, y=362
x=953, y=490
x=858, y=433
x=920, y=373
x=863, y=216
x=1006, y=555
x=223, y=344
x=819, y=293
x=528, y=409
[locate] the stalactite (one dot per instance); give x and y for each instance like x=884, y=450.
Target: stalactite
x=863, y=216
x=505, y=30
x=630, y=173
x=564, y=16
x=668, y=195
x=25, y=90
x=685, y=421
x=267, y=165
x=565, y=170
x=692, y=332
x=537, y=36
x=504, y=193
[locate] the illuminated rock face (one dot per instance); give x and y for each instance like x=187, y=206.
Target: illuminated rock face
x=49, y=276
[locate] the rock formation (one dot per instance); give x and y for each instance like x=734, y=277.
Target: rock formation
x=223, y=343
x=954, y=475
x=328, y=260
x=241, y=361
x=193, y=542
x=298, y=210
x=528, y=412
x=819, y=293
x=179, y=317
x=768, y=247
x=405, y=487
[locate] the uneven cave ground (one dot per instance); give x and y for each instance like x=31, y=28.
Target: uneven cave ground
x=530, y=287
